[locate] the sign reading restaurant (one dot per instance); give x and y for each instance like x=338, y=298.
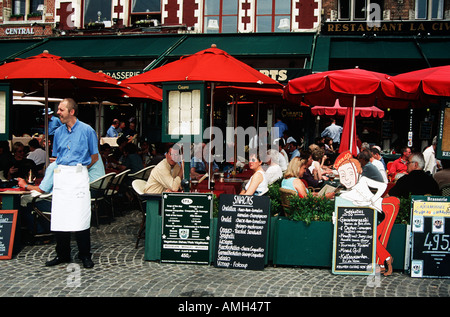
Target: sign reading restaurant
x=386, y=27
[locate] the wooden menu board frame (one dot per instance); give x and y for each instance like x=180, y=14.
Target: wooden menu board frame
x=443, y=140
x=354, y=239
x=8, y=221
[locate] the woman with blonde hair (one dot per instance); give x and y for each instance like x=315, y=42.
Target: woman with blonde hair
x=294, y=172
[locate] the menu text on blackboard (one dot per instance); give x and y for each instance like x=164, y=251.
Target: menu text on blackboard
x=354, y=244
x=242, y=227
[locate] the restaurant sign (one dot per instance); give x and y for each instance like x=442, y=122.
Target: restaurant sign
x=386, y=27
x=19, y=31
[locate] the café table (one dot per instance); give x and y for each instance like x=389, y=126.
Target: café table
x=11, y=197
x=228, y=187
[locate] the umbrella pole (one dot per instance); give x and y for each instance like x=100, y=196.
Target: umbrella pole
x=210, y=136
x=46, y=122
x=353, y=124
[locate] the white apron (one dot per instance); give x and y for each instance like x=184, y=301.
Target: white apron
x=71, y=201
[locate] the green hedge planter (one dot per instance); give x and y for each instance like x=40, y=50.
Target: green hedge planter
x=299, y=244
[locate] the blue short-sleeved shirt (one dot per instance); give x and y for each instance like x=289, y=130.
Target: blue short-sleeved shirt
x=75, y=146
x=112, y=132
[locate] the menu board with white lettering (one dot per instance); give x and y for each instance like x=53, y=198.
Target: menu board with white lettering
x=8, y=220
x=354, y=245
x=242, y=227
x=430, y=238
x=186, y=228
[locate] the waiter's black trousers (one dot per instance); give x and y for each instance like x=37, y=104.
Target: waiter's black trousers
x=83, y=239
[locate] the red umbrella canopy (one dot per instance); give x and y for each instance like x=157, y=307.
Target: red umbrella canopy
x=434, y=81
x=324, y=88
x=135, y=91
x=29, y=73
x=337, y=110
x=210, y=65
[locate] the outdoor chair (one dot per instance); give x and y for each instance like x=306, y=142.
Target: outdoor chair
x=98, y=189
x=41, y=214
x=142, y=174
x=445, y=190
x=285, y=195
x=115, y=187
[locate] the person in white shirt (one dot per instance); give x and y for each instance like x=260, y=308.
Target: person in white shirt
x=430, y=158
x=273, y=170
x=375, y=160
x=37, y=155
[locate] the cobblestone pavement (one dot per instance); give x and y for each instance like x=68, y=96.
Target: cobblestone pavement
x=121, y=271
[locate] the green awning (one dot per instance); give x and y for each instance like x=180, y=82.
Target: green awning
x=436, y=48
x=106, y=47
x=374, y=48
x=10, y=49
x=247, y=45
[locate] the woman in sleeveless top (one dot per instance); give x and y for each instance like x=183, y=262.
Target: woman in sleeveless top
x=294, y=172
x=257, y=184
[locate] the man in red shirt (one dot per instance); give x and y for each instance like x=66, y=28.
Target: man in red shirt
x=400, y=165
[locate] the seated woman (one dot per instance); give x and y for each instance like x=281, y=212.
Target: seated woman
x=317, y=168
x=291, y=180
x=257, y=184
x=294, y=172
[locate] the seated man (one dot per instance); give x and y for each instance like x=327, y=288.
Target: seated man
x=400, y=166
x=167, y=175
x=199, y=164
x=368, y=169
x=416, y=182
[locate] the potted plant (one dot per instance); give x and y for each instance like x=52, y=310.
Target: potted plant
x=306, y=236
x=16, y=17
x=34, y=16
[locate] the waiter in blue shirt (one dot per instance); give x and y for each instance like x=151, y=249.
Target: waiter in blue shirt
x=333, y=131
x=76, y=149
x=113, y=131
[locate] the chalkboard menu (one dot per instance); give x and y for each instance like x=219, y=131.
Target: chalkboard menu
x=354, y=245
x=8, y=220
x=186, y=228
x=430, y=231
x=242, y=228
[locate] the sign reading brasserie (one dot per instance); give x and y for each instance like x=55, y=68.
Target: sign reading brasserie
x=185, y=232
x=386, y=27
x=430, y=227
x=242, y=232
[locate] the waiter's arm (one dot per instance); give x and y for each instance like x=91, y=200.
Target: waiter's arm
x=94, y=158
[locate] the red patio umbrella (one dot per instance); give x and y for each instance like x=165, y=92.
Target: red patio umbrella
x=124, y=91
x=45, y=71
x=337, y=110
x=210, y=65
x=348, y=135
x=351, y=86
x=434, y=81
